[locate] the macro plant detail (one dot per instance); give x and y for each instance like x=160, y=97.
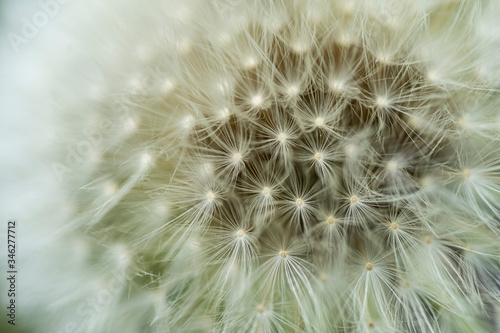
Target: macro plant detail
x=293, y=166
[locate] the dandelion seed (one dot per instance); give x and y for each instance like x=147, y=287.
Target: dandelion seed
x=224, y=114
x=337, y=86
x=392, y=166
x=210, y=196
x=466, y=173
x=319, y=122
x=110, y=188
x=382, y=102
x=293, y=91
x=130, y=124
x=266, y=191
x=188, y=122
x=432, y=76
x=384, y=59
x=282, y=137
x=237, y=157
x=168, y=86
x=463, y=122
x=146, y=159
x=350, y=150
x=250, y=63
x=257, y=101
x=300, y=47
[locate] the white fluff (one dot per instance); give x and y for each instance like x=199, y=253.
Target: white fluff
x=256, y=166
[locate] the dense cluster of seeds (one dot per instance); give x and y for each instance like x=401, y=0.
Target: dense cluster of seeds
x=305, y=167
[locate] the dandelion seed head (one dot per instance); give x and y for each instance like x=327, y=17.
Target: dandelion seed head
x=333, y=131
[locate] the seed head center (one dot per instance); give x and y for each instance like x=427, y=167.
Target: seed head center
x=392, y=166
x=282, y=137
x=210, y=195
x=466, y=173
x=237, y=157
x=266, y=191
x=257, y=101
x=382, y=102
